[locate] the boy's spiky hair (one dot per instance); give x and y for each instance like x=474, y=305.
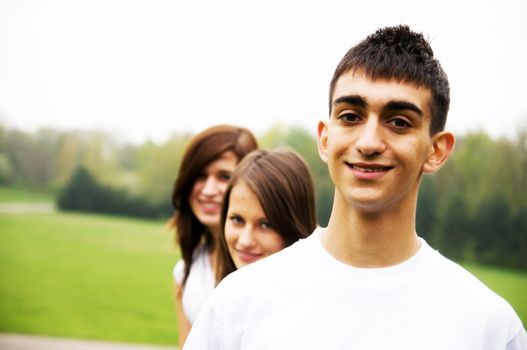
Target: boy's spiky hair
x=401, y=54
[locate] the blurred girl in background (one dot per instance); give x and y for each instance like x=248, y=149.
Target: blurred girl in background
x=207, y=165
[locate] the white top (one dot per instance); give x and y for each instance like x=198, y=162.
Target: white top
x=303, y=298
x=199, y=285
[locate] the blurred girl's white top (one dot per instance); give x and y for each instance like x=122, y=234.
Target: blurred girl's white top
x=200, y=282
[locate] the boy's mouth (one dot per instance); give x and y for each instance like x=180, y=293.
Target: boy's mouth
x=369, y=168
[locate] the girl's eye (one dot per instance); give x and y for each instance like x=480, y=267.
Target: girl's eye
x=235, y=219
x=201, y=178
x=266, y=225
x=225, y=177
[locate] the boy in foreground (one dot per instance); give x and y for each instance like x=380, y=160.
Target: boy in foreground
x=367, y=281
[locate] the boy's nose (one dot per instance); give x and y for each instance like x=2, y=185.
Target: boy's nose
x=370, y=140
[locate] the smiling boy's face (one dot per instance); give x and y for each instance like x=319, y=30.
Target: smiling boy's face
x=376, y=142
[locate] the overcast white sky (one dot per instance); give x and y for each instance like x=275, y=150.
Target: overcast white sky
x=147, y=69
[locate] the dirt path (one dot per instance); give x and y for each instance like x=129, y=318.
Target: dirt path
x=10, y=341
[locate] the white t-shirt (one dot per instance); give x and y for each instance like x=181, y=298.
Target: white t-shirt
x=199, y=285
x=303, y=298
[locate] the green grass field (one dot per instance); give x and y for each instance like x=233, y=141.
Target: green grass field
x=87, y=276
x=109, y=278
x=17, y=195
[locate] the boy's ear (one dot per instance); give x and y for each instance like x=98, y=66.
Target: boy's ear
x=322, y=132
x=441, y=149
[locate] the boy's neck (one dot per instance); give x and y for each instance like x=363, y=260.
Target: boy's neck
x=372, y=239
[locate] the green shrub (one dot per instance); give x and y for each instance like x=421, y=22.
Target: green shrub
x=84, y=193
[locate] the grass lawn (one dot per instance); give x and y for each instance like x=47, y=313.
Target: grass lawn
x=18, y=195
x=109, y=278
x=87, y=276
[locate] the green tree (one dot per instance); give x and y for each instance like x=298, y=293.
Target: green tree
x=158, y=166
x=32, y=157
x=81, y=193
x=6, y=170
x=426, y=209
x=66, y=158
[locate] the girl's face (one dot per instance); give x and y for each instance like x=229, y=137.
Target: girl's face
x=248, y=234
x=209, y=188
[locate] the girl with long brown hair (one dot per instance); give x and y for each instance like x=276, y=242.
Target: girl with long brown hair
x=206, y=167
x=269, y=204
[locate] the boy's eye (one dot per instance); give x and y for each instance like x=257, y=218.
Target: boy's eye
x=399, y=123
x=349, y=117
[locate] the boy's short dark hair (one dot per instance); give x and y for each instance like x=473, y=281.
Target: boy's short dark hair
x=401, y=54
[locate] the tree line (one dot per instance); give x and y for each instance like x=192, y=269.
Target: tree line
x=474, y=209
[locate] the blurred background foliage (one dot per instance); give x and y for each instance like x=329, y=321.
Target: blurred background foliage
x=474, y=209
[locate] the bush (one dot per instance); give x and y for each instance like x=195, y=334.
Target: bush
x=84, y=193
x=6, y=170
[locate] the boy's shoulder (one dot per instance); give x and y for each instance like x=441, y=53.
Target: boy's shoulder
x=460, y=284
x=267, y=277
x=273, y=266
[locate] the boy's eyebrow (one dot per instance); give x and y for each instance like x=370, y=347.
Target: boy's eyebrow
x=403, y=105
x=355, y=100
